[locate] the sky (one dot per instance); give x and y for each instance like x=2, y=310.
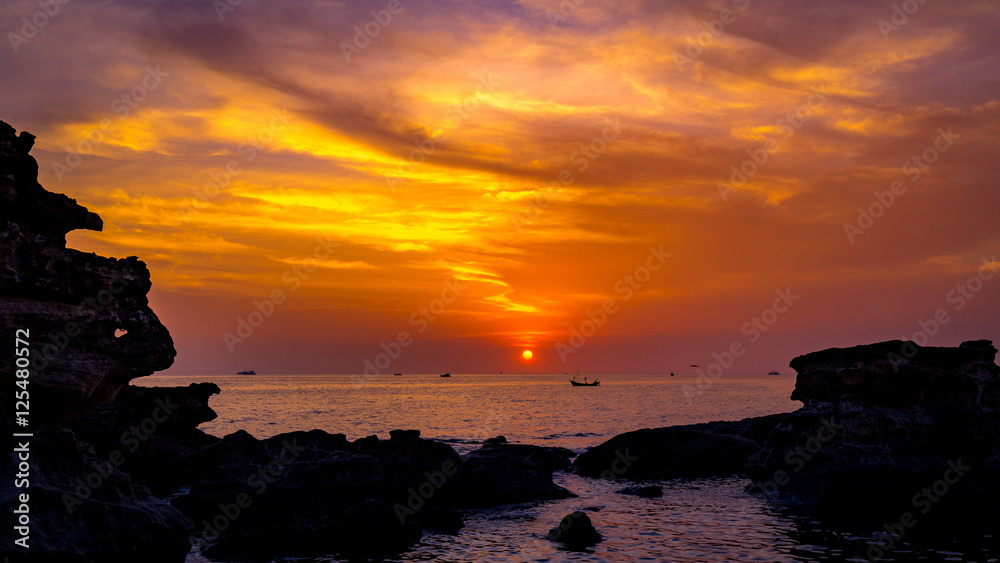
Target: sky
x=618, y=186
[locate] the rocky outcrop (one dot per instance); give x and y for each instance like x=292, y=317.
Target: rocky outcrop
x=91, y=331
x=881, y=423
x=694, y=450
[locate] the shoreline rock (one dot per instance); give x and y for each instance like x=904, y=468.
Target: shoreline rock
x=710, y=449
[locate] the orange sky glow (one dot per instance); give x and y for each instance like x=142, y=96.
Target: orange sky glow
x=622, y=186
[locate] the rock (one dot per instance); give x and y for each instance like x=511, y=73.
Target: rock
x=366, y=530
x=103, y=517
x=493, y=476
x=883, y=421
x=575, y=530
x=694, y=450
x=552, y=458
x=495, y=441
x=75, y=305
x=440, y=519
x=72, y=302
x=155, y=429
x=649, y=491
x=300, y=482
x=404, y=435
x=901, y=374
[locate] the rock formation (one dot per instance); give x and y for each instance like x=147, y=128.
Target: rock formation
x=883, y=421
x=74, y=303
x=82, y=507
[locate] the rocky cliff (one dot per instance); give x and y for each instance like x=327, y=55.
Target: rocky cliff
x=91, y=326
x=78, y=308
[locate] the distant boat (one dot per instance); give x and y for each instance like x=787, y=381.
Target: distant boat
x=575, y=383
x=774, y=373
x=397, y=374
x=671, y=374
x=248, y=372
x=445, y=375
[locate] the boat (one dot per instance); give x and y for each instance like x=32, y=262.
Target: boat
x=671, y=374
x=445, y=375
x=576, y=383
x=774, y=373
x=247, y=372
x=397, y=374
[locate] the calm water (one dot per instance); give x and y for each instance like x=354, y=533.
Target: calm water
x=704, y=520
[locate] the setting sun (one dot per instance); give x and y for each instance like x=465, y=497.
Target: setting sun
x=527, y=355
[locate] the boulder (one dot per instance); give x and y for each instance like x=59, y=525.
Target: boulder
x=497, y=475
x=696, y=450
x=576, y=531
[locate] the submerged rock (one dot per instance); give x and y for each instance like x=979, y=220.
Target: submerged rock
x=649, y=491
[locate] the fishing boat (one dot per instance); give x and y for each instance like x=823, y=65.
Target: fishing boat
x=576, y=383
x=774, y=373
x=445, y=375
x=248, y=372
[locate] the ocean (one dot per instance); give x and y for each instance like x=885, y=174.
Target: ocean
x=696, y=520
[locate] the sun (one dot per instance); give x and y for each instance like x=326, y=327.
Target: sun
x=527, y=355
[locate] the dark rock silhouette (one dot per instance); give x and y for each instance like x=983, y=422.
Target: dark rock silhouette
x=883, y=421
x=576, y=531
x=499, y=474
x=82, y=507
x=694, y=450
x=72, y=301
